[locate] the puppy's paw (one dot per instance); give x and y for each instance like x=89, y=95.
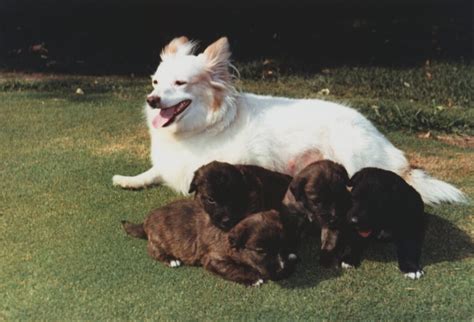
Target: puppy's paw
x=175, y=263
x=415, y=275
x=346, y=265
x=292, y=257
x=258, y=283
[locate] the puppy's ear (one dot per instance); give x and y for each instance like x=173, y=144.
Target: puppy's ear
x=177, y=46
x=344, y=175
x=238, y=237
x=194, y=183
x=358, y=176
x=253, y=187
x=217, y=57
x=297, y=187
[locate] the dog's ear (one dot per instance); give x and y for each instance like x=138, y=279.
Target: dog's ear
x=177, y=46
x=254, y=188
x=357, y=177
x=194, y=183
x=217, y=56
x=297, y=187
x=238, y=237
x=344, y=175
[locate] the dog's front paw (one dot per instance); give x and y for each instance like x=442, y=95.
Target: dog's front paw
x=415, y=275
x=258, y=283
x=125, y=182
x=175, y=263
x=120, y=181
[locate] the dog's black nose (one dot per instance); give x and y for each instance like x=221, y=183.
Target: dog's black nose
x=354, y=220
x=153, y=101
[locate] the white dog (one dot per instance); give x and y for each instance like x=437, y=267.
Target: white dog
x=195, y=116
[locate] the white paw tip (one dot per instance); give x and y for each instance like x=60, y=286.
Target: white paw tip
x=292, y=257
x=415, y=275
x=258, y=283
x=346, y=266
x=175, y=263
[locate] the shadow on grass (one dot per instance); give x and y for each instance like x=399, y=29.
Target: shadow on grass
x=444, y=242
x=308, y=271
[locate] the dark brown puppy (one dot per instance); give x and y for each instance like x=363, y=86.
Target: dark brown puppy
x=250, y=253
x=319, y=193
x=382, y=200
x=229, y=193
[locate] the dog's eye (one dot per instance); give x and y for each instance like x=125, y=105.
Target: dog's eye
x=155, y=82
x=210, y=200
x=180, y=83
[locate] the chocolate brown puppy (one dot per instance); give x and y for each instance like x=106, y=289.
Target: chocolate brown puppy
x=382, y=200
x=250, y=253
x=319, y=194
x=229, y=193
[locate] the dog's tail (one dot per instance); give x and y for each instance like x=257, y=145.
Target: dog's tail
x=434, y=191
x=135, y=230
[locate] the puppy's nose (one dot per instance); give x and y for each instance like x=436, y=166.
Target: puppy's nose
x=354, y=220
x=153, y=101
x=225, y=220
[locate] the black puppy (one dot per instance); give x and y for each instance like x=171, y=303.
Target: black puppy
x=382, y=200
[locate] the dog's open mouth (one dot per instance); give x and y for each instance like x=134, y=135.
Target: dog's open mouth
x=167, y=115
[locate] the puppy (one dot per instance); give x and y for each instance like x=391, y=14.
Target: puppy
x=319, y=193
x=250, y=253
x=381, y=200
x=228, y=193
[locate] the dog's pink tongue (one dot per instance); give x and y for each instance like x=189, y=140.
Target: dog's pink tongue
x=164, y=116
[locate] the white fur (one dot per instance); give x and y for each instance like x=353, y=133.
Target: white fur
x=292, y=257
x=175, y=263
x=415, y=275
x=346, y=266
x=258, y=283
x=261, y=130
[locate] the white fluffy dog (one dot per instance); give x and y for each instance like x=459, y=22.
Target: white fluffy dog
x=195, y=116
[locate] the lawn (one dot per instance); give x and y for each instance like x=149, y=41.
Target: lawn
x=64, y=255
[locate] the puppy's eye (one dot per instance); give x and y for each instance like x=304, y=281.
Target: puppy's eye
x=210, y=200
x=260, y=250
x=180, y=83
x=155, y=82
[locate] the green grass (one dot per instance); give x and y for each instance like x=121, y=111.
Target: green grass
x=64, y=255
x=436, y=96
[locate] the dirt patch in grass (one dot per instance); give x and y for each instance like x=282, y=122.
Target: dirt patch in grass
x=464, y=141
x=136, y=144
x=446, y=167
